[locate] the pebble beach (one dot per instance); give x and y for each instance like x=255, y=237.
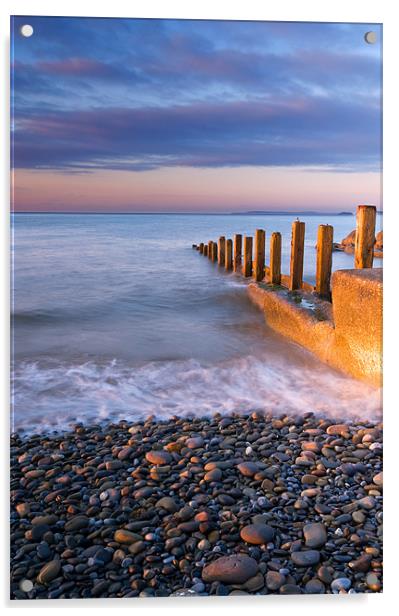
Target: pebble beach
x=224, y=505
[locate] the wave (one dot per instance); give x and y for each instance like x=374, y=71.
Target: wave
x=54, y=395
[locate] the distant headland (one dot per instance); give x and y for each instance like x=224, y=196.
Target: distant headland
x=290, y=213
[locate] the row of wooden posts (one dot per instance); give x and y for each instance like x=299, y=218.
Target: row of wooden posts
x=246, y=256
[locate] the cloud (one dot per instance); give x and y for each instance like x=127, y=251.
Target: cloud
x=144, y=94
x=295, y=132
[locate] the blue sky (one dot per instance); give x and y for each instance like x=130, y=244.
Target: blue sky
x=145, y=102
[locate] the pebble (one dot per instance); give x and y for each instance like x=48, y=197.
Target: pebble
x=315, y=587
x=49, y=572
x=315, y=535
x=126, y=537
x=373, y=582
x=367, y=502
x=195, y=442
x=341, y=583
x=274, y=580
x=167, y=503
x=305, y=558
x=257, y=534
x=213, y=475
x=77, y=523
x=232, y=569
x=128, y=510
x=338, y=429
x=158, y=457
x=248, y=469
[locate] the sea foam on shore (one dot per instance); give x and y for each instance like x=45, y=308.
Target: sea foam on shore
x=53, y=396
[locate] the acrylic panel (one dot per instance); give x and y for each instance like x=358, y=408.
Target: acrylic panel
x=196, y=326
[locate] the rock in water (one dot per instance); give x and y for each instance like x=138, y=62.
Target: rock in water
x=233, y=569
x=315, y=535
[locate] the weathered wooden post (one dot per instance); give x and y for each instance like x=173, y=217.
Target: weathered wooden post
x=201, y=248
x=324, y=260
x=365, y=236
x=237, y=252
x=228, y=263
x=247, y=265
x=259, y=256
x=275, y=258
x=221, y=250
x=210, y=250
x=205, y=251
x=215, y=252
x=297, y=249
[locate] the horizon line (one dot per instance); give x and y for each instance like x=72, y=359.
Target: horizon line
x=212, y=213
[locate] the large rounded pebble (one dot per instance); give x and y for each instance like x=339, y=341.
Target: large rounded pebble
x=248, y=469
x=158, y=457
x=195, y=442
x=274, y=580
x=213, y=475
x=49, y=572
x=257, y=534
x=167, y=503
x=126, y=536
x=233, y=569
x=315, y=535
x=338, y=429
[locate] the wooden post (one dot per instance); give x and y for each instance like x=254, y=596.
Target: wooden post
x=324, y=260
x=221, y=250
x=275, y=258
x=205, y=250
x=228, y=263
x=247, y=265
x=201, y=248
x=365, y=236
x=297, y=248
x=259, y=256
x=237, y=252
x=209, y=252
x=215, y=252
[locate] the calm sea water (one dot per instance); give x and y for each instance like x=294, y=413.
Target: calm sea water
x=115, y=316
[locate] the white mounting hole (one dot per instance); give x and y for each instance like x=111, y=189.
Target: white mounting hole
x=26, y=30
x=370, y=37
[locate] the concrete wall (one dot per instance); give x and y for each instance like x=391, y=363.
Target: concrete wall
x=347, y=336
x=357, y=316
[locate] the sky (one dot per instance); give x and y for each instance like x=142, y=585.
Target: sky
x=136, y=115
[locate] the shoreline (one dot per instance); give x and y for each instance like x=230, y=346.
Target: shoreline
x=224, y=505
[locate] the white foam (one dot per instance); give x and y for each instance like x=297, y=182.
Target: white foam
x=54, y=396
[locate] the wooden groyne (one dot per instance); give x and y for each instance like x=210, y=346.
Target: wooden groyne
x=339, y=319
x=246, y=255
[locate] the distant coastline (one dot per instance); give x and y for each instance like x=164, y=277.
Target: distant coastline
x=290, y=213
x=248, y=213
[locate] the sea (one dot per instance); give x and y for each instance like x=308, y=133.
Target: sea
x=115, y=316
